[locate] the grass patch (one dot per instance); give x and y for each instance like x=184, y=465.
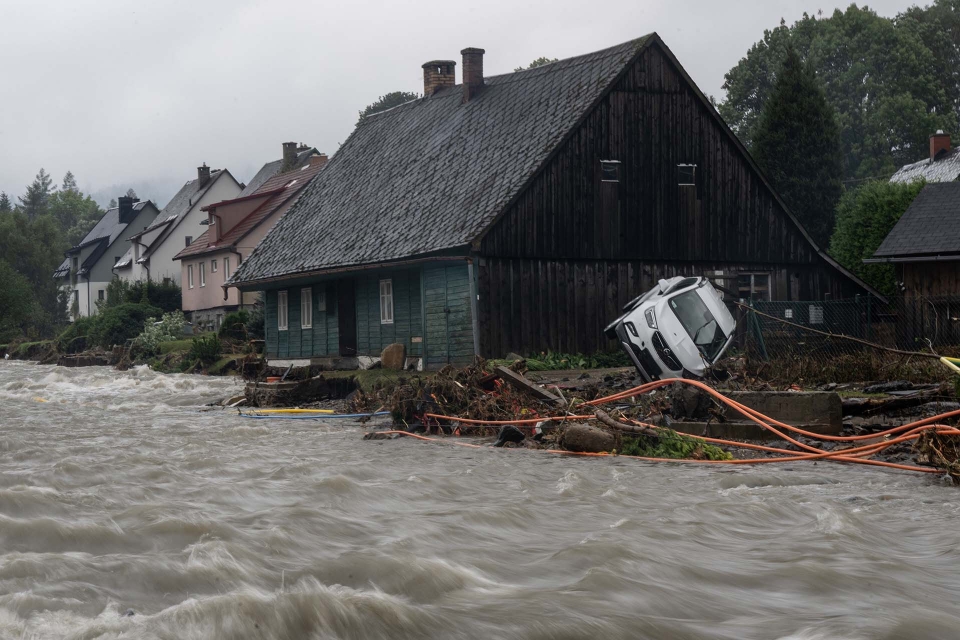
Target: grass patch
x=673, y=445
x=30, y=349
x=181, y=345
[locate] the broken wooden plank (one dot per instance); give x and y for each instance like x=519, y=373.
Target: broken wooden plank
x=518, y=381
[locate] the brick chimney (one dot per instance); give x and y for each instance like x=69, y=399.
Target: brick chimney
x=318, y=160
x=472, y=72
x=939, y=143
x=438, y=74
x=203, y=175
x=289, y=156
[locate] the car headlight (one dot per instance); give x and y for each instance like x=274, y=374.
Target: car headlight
x=651, y=318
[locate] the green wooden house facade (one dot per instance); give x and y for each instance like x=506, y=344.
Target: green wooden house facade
x=520, y=212
x=426, y=308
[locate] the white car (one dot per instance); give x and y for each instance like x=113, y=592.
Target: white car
x=676, y=330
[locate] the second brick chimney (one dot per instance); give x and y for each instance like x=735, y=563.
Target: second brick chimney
x=289, y=156
x=318, y=160
x=939, y=143
x=203, y=175
x=472, y=72
x=438, y=74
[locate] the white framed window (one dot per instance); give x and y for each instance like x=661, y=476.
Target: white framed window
x=190, y=276
x=282, y=310
x=203, y=274
x=306, y=308
x=609, y=171
x=386, y=301
x=322, y=299
x=213, y=266
x=687, y=175
x=226, y=268
x=187, y=241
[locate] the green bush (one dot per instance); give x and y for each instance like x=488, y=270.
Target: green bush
x=164, y=295
x=207, y=349
x=672, y=445
x=116, y=325
x=74, y=338
x=169, y=328
x=235, y=325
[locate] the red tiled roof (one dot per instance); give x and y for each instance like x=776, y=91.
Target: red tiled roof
x=280, y=189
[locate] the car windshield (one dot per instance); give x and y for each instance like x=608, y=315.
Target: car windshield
x=699, y=323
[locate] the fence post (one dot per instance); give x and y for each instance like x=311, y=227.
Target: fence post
x=756, y=326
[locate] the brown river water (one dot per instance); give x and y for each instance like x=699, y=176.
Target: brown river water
x=119, y=494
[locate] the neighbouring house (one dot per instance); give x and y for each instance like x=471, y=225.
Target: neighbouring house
x=520, y=212
x=86, y=270
x=234, y=229
x=924, y=245
x=150, y=254
x=294, y=156
x=943, y=165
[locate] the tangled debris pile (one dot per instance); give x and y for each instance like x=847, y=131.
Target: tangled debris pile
x=941, y=450
x=473, y=393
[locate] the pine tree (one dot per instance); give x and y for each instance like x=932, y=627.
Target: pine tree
x=113, y=203
x=797, y=144
x=131, y=193
x=5, y=206
x=69, y=182
x=34, y=202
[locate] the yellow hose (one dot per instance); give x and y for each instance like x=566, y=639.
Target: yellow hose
x=951, y=363
x=258, y=411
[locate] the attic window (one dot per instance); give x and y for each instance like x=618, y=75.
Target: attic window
x=687, y=175
x=609, y=171
x=290, y=184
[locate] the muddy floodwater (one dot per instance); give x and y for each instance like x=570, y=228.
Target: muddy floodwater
x=119, y=496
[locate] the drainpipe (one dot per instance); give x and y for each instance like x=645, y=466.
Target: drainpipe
x=224, y=287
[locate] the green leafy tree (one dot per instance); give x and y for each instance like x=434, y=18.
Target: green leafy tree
x=864, y=218
x=539, y=62
x=18, y=305
x=131, y=193
x=388, y=101
x=797, y=144
x=892, y=82
x=5, y=206
x=34, y=202
x=113, y=203
x=75, y=212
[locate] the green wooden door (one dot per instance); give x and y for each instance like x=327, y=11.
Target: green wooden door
x=448, y=321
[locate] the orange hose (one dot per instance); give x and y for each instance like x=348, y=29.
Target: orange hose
x=825, y=455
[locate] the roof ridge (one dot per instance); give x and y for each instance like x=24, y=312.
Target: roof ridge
x=567, y=63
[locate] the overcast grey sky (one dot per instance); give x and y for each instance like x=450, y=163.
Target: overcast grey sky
x=140, y=93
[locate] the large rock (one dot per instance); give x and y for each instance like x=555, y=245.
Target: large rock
x=394, y=356
x=586, y=438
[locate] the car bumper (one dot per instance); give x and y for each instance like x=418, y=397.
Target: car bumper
x=647, y=365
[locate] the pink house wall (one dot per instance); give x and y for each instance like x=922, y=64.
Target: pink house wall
x=211, y=295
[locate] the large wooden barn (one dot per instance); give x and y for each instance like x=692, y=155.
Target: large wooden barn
x=520, y=212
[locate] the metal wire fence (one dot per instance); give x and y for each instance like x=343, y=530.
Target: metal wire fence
x=858, y=338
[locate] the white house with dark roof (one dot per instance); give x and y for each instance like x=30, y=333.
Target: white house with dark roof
x=943, y=165
x=150, y=254
x=87, y=268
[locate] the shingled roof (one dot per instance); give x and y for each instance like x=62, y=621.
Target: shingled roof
x=945, y=168
x=105, y=232
x=289, y=185
x=177, y=209
x=271, y=169
x=434, y=173
x=929, y=227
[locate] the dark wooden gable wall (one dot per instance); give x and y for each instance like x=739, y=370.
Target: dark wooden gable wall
x=571, y=250
x=651, y=122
